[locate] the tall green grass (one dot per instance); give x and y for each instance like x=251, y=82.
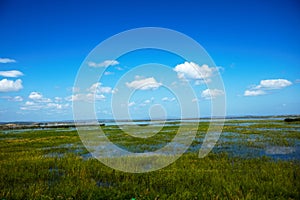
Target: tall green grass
x=45, y=164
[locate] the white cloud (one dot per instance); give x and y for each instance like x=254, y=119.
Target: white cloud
x=114, y=91
x=72, y=97
x=17, y=98
x=14, y=99
x=96, y=87
x=35, y=95
x=168, y=99
x=11, y=73
x=200, y=82
x=105, y=63
x=90, y=97
x=58, y=99
x=194, y=100
x=36, y=101
x=108, y=73
x=29, y=103
x=10, y=85
x=95, y=96
x=119, y=68
x=39, y=102
x=33, y=107
x=272, y=84
x=54, y=105
x=131, y=104
x=165, y=99
x=211, y=93
x=38, y=97
x=74, y=89
x=45, y=100
x=269, y=84
x=104, y=112
x=7, y=60
x=254, y=92
x=57, y=106
x=144, y=84
x=191, y=70
x=138, y=77
x=147, y=101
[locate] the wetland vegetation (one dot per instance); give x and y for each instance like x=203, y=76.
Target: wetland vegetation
x=253, y=159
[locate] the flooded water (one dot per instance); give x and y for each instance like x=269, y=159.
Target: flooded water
x=245, y=137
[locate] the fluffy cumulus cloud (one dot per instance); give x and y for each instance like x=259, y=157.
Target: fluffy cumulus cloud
x=29, y=105
x=191, y=70
x=169, y=99
x=7, y=60
x=17, y=99
x=32, y=106
x=273, y=84
x=105, y=63
x=11, y=73
x=98, y=88
x=38, y=97
x=211, y=93
x=36, y=101
x=265, y=85
x=10, y=85
x=143, y=84
x=254, y=92
x=57, y=106
x=35, y=95
x=94, y=93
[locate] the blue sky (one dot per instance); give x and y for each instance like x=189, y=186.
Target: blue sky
x=255, y=44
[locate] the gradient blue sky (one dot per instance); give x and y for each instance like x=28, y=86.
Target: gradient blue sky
x=43, y=43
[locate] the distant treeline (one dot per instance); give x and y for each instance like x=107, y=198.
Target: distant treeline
x=292, y=119
x=44, y=125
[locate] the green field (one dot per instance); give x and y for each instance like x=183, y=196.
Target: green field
x=253, y=159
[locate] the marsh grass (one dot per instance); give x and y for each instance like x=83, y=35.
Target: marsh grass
x=26, y=173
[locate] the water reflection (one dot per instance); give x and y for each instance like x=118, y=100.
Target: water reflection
x=246, y=138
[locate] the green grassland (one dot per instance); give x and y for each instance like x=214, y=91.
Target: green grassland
x=53, y=164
